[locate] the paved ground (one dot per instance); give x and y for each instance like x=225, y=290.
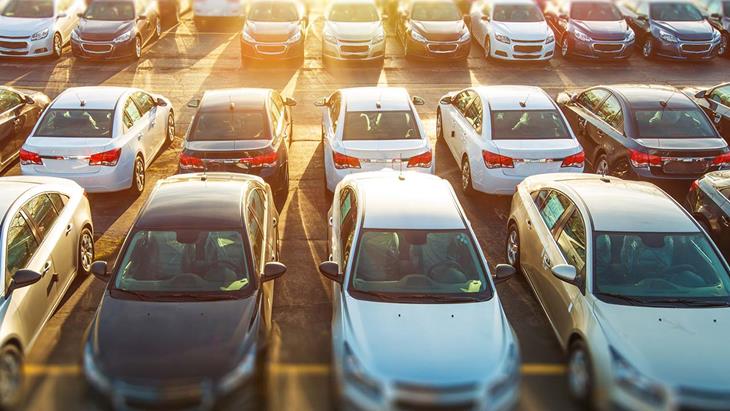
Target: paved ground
x=183, y=64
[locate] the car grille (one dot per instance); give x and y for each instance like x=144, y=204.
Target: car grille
x=527, y=49
x=271, y=38
x=607, y=47
x=406, y=405
x=526, y=56
x=97, y=48
x=13, y=45
x=443, y=48
x=354, y=49
x=695, y=48
x=529, y=41
x=272, y=49
x=685, y=167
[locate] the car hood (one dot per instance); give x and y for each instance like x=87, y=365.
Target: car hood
x=271, y=31
x=228, y=145
x=136, y=340
x=354, y=31
x=101, y=30
x=603, y=30
x=428, y=343
x=679, y=346
x=522, y=31
x=682, y=143
x=13, y=26
x=440, y=30
x=687, y=30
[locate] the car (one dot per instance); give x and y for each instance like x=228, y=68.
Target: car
x=716, y=103
x=274, y=29
x=370, y=128
x=242, y=131
x=718, y=14
x=709, y=202
x=511, y=30
x=432, y=29
x=205, y=11
x=626, y=286
x=37, y=28
x=196, y=287
x=590, y=28
x=409, y=280
x=47, y=241
x=114, y=29
x=499, y=135
x=672, y=29
x=653, y=133
x=171, y=10
x=353, y=30
x=19, y=112
x=104, y=138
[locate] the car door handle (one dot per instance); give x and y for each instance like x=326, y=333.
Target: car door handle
x=529, y=224
x=274, y=222
x=725, y=221
x=546, y=262
x=139, y=136
x=453, y=133
x=46, y=267
x=332, y=221
x=68, y=229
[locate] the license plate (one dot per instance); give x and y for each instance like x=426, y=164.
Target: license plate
x=686, y=166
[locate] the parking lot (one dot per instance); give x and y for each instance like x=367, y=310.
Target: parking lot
x=182, y=65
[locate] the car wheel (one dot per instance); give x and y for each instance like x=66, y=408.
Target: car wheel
x=601, y=166
x=86, y=251
x=138, y=176
x=170, y=128
x=137, y=48
x=439, y=125
x=11, y=376
x=580, y=373
x=722, y=50
x=466, y=182
x=647, y=48
x=158, y=28
x=513, y=246
x=487, y=48
x=565, y=47
x=57, y=47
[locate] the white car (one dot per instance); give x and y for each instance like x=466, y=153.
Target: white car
x=104, y=138
x=371, y=128
x=512, y=30
x=46, y=239
x=416, y=320
x=353, y=30
x=204, y=10
x=633, y=287
x=499, y=135
x=37, y=28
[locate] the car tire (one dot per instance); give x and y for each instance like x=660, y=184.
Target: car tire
x=601, y=165
x=158, y=28
x=439, y=125
x=487, y=48
x=139, y=176
x=11, y=376
x=723, y=51
x=57, y=47
x=513, y=246
x=137, y=48
x=170, y=132
x=647, y=48
x=580, y=374
x=467, y=185
x=86, y=252
x=283, y=192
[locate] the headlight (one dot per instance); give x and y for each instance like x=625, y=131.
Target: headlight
x=580, y=36
x=668, y=37
x=355, y=375
x=418, y=36
x=246, y=36
x=550, y=38
x=715, y=35
x=330, y=38
x=40, y=35
x=123, y=37
x=296, y=37
x=502, y=38
x=630, y=35
x=243, y=371
x=631, y=380
x=380, y=37
x=93, y=373
x=466, y=36
x=75, y=36
x=510, y=375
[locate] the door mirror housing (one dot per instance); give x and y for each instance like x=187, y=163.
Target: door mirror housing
x=563, y=16
x=447, y=100
x=28, y=100
x=100, y=270
x=716, y=16
x=418, y=101
x=331, y=270
x=161, y=102
x=62, y=16
x=290, y=102
x=642, y=17
x=701, y=94
x=565, y=272
x=81, y=15
x=485, y=18
x=322, y=102
x=194, y=103
x=272, y=271
x=503, y=272
x=142, y=17
x=23, y=278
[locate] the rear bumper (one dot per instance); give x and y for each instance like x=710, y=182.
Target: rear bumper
x=106, y=180
x=495, y=181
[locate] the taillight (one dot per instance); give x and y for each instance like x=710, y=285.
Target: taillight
x=644, y=160
x=29, y=157
x=188, y=162
x=723, y=160
x=422, y=160
x=492, y=160
x=267, y=159
x=695, y=185
x=108, y=158
x=576, y=160
x=343, y=162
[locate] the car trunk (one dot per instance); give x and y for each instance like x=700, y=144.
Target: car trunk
x=231, y=156
x=376, y=155
x=684, y=157
x=67, y=155
x=536, y=156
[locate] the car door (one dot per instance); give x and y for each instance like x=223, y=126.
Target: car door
x=473, y=141
x=137, y=130
x=256, y=214
x=66, y=18
x=14, y=121
x=145, y=24
x=280, y=112
x=581, y=115
x=718, y=108
x=153, y=120
x=479, y=10
x=456, y=125
x=607, y=134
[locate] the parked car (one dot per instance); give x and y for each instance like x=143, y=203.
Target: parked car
x=47, y=240
x=627, y=286
x=511, y=30
x=653, y=133
x=241, y=131
x=718, y=14
x=19, y=112
x=206, y=11
x=274, y=29
x=673, y=29
x=104, y=138
x=370, y=128
x=196, y=287
x=590, y=28
x=432, y=29
x=709, y=202
x=499, y=135
x=112, y=29
x=716, y=103
x=37, y=28
x=353, y=30
x=408, y=280
x=171, y=10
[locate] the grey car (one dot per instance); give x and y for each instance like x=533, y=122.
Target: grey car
x=47, y=238
x=634, y=289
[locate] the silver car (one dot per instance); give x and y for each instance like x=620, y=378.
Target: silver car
x=47, y=238
x=634, y=289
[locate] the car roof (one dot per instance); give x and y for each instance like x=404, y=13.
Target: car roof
x=241, y=98
x=13, y=187
x=649, y=96
x=512, y=1
x=94, y=98
x=510, y=97
x=408, y=200
x=718, y=179
x=367, y=98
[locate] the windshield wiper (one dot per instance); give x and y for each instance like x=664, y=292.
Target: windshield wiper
x=690, y=302
x=624, y=298
x=134, y=294
x=444, y=298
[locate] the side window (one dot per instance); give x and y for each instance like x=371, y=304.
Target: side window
x=131, y=114
x=9, y=100
x=572, y=242
x=144, y=101
x=461, y=101
x=592, y=98
x=348, y=218
x=610, y=112
x=539, y=198
x=474, y=113
x=59, y=201
x=21, y=246
x=554, y=207
x=255, y=211
x=277, y=114
x=334, y=108
x=42, y=212
x=721, y=95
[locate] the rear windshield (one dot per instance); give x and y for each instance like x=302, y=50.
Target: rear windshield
x=674, y=12
x=528, y=125
x=354, y=13
x=432, y=11
x=380, y=125
x=689, y=123
x=273, y=12
x=518, y=13
x=595, y=12
x=229, y=126
x=76, y=123
x=28, y=9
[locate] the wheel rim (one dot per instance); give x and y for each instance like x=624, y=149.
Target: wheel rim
x=439, y=126
x=9, y=376
x=138, y=47
x=139, y=175
x=578, y=374
x=647, y=48
x=602, y=167
x=57, y=47
x=87, y=251
x=170, y=128
x=564, y=48
x=723, y=45
x=158, y=28
x=465, y=176
x=513, y=247
x=487, y=48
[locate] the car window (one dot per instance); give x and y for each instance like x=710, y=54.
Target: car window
x=32, y=9
x=59, y=201
x=572, y=242
x=539, y=197
x=354, y=13
x=9, y=100
x=674, y=11
x=720, y=95
x=255, y=224
x=462, y=100
x=528, y=125
x=554, y=207
x=435, y=11
x=131, y=114
x=41, y=211
x=726, y=8
x=21, y=246
x=517, y=13
x=273, y=11
x=610, y=112
x=76, y=124
x=277, y=114
x=144, y=101
x=474, y=113
x=595, y=11
x=229, y=125
x=673, y=123
x=348, y=221
x=110, y=11
x=592, y=98
x=380, y=125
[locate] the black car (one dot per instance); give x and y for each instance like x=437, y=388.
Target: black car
x=242, y=131
x=432, y=29
x=113, y=29
x=709, y=202
x=19, y=112
x=718, y=12
x=716, y=103
x=170, y=10
x=653, y=133
x=590, y=28
x=186, y=312
x=274, y=30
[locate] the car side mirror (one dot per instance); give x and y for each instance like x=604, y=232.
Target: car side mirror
x=81, y=15
x=161, y=102
x=503, y=272
x=563, y=16
x=446, y=100
x=29, y=100
x=272, y=271
x=331, y=270
x=642, y=17
x=100, y=270
x=485, y=18
x=716, y=16
x=565, y=272
x=194, y=103
x=62, y=16
x=140, y=18
x=701, y=94
x=23, y=278
x=418, y=101
x=290, y=102
x=321, y=102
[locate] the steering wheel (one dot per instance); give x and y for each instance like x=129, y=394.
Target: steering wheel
x=228, y=264
x=415, y=280
x=657, y=283
x=445, y=264
x=185, y=279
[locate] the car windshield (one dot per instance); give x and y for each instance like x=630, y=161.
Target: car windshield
x=674, y=12
x=670, y=123
x=184, y=261
x=229, y=126
x=589, y=11
x=354, y=13
x=656, y=268
x=435, y=11
x=528, y=125
x=76, y=123
x=110, y=11
x=32, y=9
x=380, y=125
x=273, y=12
x=517, y=13
x=418, y=264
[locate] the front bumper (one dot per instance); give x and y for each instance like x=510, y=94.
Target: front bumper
x=439, y=49
x=102, y=49
x=25, y=47
x=364, y=50
x=522, y=50
x=687, y=50
x=599, y=49
x=266, y=50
